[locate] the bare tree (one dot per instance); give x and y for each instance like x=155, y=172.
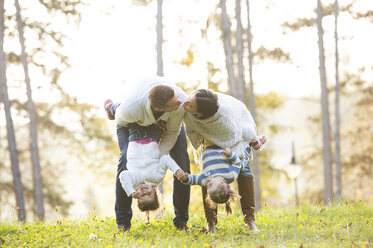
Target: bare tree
x=239, y=51
x=258, y=192
x=12, y=146
x=337, y=114
x=226, y=29
x=328, y=178
x=34, y=149
x=159, y=38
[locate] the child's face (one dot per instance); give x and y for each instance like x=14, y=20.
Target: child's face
x=146, y=193
x=214, y=183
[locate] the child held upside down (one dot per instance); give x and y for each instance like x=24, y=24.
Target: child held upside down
x=220, y=167
x=145, y=169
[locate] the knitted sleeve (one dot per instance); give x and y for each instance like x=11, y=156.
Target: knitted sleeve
x=166, y=162
x=173, y=130
x=194, y=137
x=128, y=179
x=234, y=160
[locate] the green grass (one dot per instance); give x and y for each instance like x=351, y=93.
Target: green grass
x=337, y=225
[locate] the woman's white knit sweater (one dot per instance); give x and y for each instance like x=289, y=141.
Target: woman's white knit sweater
x=232, y=126
x=144, y=166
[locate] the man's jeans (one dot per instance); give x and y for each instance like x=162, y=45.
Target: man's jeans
x=181, y=192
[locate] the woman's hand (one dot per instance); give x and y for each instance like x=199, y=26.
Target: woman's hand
x=227, y=152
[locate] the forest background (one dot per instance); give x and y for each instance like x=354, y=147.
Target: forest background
x=72, y=55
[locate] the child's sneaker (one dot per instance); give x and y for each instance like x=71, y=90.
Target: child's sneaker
x=107, y=105
x=257, y=142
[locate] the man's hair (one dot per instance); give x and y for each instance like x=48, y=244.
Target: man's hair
x=159, y=95
x=207, y=103
x=151, y=206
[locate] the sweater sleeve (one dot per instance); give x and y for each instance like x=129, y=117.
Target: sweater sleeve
x=128, y=179
x=167, y=162
x=234, y=160
x=124, y=115
x=173, y=130
x=194, y=137
x=193, y=179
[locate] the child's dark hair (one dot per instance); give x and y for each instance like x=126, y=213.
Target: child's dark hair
x=148, y=207
x=159, y=95
x=222, y=195
x=207, y=102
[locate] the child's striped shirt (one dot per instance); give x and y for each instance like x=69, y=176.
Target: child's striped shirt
x=216, y=163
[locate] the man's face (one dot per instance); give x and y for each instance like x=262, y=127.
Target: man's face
x=172, y=104
x=190, y=106
x=146, y=194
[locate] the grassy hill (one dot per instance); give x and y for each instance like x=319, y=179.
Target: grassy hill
x=338, y=225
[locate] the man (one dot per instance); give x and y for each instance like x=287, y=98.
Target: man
x=146, y=102
x=226, y=122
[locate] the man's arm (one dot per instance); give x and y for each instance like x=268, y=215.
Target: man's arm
x=124, y=115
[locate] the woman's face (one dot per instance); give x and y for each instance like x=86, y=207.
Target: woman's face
x=190, y=106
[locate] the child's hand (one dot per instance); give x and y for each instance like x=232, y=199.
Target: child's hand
x=227, y=152
x=184, y=178
x=181, y=175
x=136, y=195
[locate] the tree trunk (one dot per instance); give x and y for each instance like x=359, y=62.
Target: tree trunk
x=258, y=192
x=34, y=149
x=160, y=53
x=239, y=50
x=337, y=114
x=328, y=178
x=226, y=29
x=12, y=146
x=159, y=38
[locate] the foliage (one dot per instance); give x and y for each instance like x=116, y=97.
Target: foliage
x=328, y=10
x=80, y=133
x=343, y=225
x=276, y=54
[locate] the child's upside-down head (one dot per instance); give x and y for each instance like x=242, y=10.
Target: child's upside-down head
x=219, y=192
x=147, y=198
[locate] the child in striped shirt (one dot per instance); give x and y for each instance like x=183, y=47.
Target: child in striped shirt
x=220, y=167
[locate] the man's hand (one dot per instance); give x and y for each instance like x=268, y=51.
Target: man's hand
x=163, y=126
x=181, y=175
